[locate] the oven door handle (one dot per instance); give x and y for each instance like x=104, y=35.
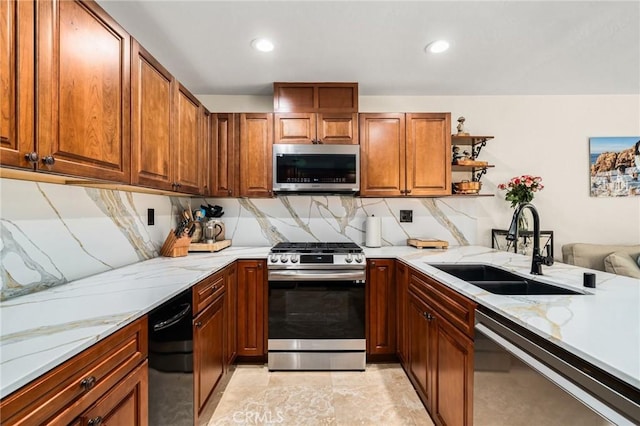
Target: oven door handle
x=316, y=275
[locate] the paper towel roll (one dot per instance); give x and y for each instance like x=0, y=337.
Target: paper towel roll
x=373, y=229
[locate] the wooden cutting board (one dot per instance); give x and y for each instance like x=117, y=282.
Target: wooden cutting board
x=428, y=243
x=217, y=246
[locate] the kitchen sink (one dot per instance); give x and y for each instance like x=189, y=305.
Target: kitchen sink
x=498, y=281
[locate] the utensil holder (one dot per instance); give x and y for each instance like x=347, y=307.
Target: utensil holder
x=174, y=246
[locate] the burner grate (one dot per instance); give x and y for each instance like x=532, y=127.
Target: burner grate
x=316, y=247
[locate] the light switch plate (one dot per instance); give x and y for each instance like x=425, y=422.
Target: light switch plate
x=406, y=215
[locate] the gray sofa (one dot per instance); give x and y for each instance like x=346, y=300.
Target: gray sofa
x=616, y=259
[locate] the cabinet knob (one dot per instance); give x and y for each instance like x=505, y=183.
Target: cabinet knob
x=229, y=192
x=428, y=316
x=408, y=191
x=49, y=160
x=373, y=264
x=259, y=265
x=88, y=382
x=32, y=157
x=199, y=324
x=215, y=287
x=96, y=421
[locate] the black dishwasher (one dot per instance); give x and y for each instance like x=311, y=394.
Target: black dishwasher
x=171, y=362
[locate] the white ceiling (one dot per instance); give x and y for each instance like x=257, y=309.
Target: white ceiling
x=497, y=47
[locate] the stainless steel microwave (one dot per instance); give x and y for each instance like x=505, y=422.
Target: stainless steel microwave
x=316, y=168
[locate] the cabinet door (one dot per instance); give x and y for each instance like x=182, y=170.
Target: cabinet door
x=83, y=97
x=208, y=352
x=125, y=404
x=420, y=336
x=429, y=154
x=231, y=314
x=294, y=127
x=381, y=303
x=452, y=375
x=152, y=114
x=256, y=168
x=315, y=97
x=402, y=309
x=16, y=82
x=337, y=128
x=382, y=155
x=224, y=162
x=251, y=307
x=188, y=158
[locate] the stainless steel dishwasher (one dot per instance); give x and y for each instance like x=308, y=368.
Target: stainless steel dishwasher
x=522, y=379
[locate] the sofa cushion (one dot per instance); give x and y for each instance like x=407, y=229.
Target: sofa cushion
x=620, y=263
x=592, y=255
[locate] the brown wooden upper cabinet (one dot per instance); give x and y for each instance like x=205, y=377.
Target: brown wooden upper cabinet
x=189, y=158
x=405, y=154
x=152, y=117
x=83, y=91
x=256, y=152
x=169, y=129
x=17, y=84
x=316, y=128
x=224, y=155
x=315, y=97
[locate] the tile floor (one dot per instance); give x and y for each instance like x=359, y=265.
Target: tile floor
x=381, y=395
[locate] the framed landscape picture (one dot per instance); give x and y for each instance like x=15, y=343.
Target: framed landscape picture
x=615, y=166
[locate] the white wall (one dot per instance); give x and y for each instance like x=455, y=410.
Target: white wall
x=540, y=135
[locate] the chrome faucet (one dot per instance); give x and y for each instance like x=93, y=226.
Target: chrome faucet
x=538, y=259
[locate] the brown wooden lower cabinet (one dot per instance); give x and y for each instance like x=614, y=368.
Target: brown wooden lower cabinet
x=125, y=404
x=208, y=352
x=252, y=308
x=231, y=315
x=440, y=349
x=402, y=302
x=106, y=373
x=381, y=303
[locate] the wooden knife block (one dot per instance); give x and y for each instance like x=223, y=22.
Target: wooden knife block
x=174, y=246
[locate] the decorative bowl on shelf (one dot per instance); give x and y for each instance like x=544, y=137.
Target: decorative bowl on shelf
x=466, y=187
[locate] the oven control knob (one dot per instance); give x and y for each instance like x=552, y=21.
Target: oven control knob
x=349, y=259
x=294, y=258
x=273, y=259
x=359, y=258
x=284, y=258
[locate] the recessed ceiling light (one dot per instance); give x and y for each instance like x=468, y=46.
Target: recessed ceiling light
x=438, y=46
x=262, y=44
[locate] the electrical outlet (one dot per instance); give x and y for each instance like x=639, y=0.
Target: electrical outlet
x=406, y=215
x=151, y=217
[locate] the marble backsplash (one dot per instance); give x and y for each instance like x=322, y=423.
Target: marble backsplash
x=53, y=234
x=251, y=222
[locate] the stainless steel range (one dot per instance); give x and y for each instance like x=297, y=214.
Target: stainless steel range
x=316, y=306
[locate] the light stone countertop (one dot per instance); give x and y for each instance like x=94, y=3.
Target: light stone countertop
x=42, y=330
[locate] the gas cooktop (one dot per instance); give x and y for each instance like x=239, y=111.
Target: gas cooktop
x=301, y=247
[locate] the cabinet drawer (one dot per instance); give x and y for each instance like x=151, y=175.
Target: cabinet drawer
x=453, y=307
x=69, y=389
x=207, y=290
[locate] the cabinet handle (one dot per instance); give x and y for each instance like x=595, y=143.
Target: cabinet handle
x=88, y=382
x=229, y=192
x=199, y=324
x=32, y=157
x=96, y=421
x=428, y=316
x=49, y=160
x=259, y=265
x=215, y=287
x=373, y=264
x=408, y=191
